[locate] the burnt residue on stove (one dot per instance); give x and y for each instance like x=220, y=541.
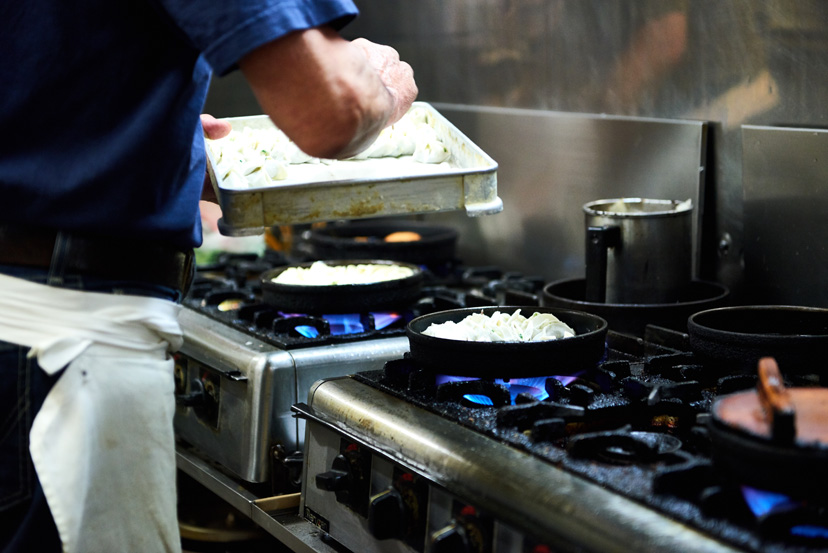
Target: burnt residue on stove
x=229, y=290
x=636, y=424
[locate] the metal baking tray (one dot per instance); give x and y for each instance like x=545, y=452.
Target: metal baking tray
x=357, y=189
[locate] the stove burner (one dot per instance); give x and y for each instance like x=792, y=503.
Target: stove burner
x=476, y=391
x=301, y=325
x=780, y=516
x=523, y=417
x=623, y=446
x=230, y=291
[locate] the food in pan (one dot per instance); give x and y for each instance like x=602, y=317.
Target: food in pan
x=258, y=157
x=320, y=273
x=398, y=236
x=502, y=327
x=402, y=236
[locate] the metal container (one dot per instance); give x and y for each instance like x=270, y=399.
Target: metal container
x=365, y=188
x=638, y=250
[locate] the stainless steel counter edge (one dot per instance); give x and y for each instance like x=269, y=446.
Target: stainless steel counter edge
x=574, y=514
x=289, y=528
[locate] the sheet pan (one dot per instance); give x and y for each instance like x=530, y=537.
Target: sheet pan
x=358, y=189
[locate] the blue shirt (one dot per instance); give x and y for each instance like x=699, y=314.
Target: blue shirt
x=100, y=103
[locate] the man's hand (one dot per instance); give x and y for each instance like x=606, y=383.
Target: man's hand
x=213, y=129
x=396, y=75
x=331, y=96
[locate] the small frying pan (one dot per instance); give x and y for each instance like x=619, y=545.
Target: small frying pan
x=369, y=240
x=342, y=298
x=737, y=337
x=774, y=438
x=508, y=359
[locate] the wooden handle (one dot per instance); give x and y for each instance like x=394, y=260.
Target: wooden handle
x=776, y=402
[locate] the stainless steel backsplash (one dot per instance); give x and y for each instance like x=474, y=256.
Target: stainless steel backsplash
x=525, y=79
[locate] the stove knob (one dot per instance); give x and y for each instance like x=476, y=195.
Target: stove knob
x=451, y=539
x=332, y=481
x=196, y=398
x=386, y=515
x=338, y=479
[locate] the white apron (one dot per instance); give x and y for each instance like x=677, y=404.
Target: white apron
x=102, y=444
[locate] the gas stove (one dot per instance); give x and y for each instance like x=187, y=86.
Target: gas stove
x=614, y=458
x=244, y=362
x=391, y=457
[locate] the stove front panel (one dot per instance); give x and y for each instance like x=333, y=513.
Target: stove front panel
x=227, y=385
x=235, y=392
x=368, y=502
x=365, y=448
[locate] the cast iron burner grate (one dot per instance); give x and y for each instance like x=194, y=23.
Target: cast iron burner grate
x=635, y=424
x=229, y=291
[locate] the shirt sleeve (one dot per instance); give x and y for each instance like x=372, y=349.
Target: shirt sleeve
x=225, y=31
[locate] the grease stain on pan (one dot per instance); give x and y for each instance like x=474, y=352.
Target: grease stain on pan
x=360, y=208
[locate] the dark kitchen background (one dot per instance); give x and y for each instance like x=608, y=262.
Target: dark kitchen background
x=721, y=101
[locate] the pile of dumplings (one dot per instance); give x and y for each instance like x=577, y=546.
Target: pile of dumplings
x=320, y=273
x=503, y=327
x=254, y=157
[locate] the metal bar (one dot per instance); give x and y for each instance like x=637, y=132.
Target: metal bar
x=289, y=528
x=565, y=510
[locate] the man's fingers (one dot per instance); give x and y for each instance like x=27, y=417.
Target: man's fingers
x=396, y=75
x=214, y=128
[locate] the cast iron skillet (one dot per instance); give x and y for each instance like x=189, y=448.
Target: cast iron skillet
x=773, y=438
x=737, y=337
x=342, y=298
x=366, y=240
x=509, y=359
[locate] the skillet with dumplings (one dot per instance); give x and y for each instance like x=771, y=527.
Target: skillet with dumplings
x=567, y=355
x=343, y=298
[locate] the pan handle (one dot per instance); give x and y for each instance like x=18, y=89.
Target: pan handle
x=776, y=402
x=598, y=240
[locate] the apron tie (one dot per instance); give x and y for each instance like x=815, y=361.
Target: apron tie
x=102, y=443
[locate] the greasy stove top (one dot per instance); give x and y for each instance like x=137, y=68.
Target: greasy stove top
x=230, y=292
x=635, y=424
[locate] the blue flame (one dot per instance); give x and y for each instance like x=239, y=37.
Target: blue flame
x=307, y=331
x=566, y=380
x=479, y=399
x=534, y=386
x=812, y=532
x=384, y=319
x=761, y=502
x=349, y=323
x=443, y=378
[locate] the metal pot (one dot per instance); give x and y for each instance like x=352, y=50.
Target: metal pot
x=773, y=438
x=634, y=318
x=737, y=337
x=509, y=359
x=342, y=298
x=638, y=250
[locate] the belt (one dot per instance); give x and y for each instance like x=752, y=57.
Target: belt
x=108, y=258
